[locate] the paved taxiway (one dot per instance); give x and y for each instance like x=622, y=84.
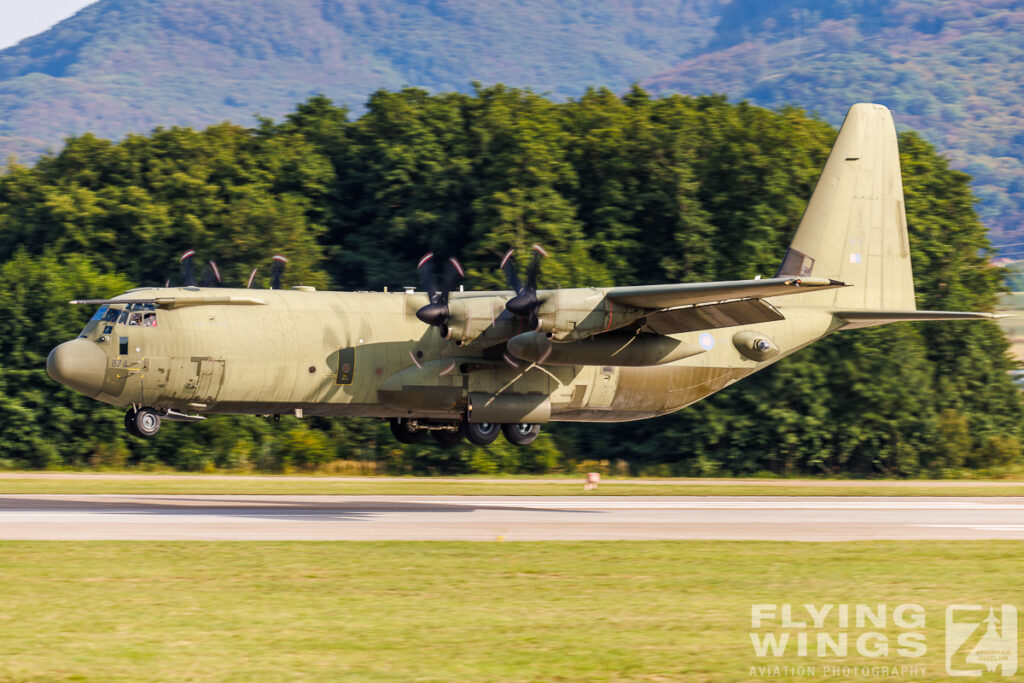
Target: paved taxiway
x=480, y=518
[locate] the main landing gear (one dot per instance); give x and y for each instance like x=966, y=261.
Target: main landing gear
x=449, y=434
x=144, y=422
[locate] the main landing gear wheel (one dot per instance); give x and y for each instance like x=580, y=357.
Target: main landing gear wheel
x=129, y=422
x=144, y=422
x=450, y=438
x=482, y=433
x=521, y=433
x=403, y=433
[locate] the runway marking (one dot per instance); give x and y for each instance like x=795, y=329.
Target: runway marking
x=979, y=526
x=853, y=504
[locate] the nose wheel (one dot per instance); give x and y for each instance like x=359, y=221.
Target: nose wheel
x=144, y=422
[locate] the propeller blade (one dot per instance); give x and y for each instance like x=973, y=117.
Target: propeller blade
x=531, y=272
x=508, y=266
x=188, y=275
x=436, y=312
x=252, y=276
x=525, y=303
x=425, y=269
x=276, y=271
x=453, y=275
x=211, y=275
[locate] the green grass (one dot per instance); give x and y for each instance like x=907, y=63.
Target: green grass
x=283, y=485
x=622, y=611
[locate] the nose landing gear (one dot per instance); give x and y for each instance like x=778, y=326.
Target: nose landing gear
x=144, y=422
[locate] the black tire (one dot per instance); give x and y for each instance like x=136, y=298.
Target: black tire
x=146, y=422
x=403, y=434
x=447, y=438
x=129, y=422
x=521, y=433
x=482, y=433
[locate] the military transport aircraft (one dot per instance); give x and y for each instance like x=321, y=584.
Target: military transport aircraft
x=469, y=365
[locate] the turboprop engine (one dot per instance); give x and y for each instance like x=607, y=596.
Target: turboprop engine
x=611, y=348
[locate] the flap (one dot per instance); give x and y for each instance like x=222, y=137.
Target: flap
x=669, y=296
x=712, y=316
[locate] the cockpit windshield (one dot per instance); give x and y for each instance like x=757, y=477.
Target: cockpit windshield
x=143, y=315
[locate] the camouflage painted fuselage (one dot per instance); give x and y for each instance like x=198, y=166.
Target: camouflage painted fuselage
x=366, y=354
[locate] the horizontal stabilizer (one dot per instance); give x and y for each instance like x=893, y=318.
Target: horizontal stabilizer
x=856, y=319
x=670, y=296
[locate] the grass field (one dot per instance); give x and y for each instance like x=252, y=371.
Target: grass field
x=624, y=611
x=283, y=485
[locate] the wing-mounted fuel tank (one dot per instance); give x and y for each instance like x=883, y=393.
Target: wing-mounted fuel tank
x=610, y=348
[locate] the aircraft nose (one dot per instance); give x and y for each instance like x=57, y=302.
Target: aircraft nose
x=79, y=364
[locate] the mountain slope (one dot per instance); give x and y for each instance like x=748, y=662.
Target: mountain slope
x=129, y=65
x=951, y=70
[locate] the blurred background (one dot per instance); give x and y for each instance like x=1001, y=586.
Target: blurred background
x=638, y=141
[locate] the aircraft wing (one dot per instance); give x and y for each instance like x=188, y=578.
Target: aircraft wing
x=178, y=302
x=670, y=296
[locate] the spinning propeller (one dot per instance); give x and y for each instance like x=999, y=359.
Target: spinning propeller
x=436, y=312
x=277, y=270
x=188, y=274
x=525, y=303
x=211, y=274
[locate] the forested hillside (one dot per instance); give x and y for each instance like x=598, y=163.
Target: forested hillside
x=950, y=69
x=629, y=189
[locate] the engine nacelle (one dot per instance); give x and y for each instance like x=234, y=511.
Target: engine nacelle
x=576, y=316
x=478, y=321
x=612, y=348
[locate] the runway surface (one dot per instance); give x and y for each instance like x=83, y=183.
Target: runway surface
x=512, y=518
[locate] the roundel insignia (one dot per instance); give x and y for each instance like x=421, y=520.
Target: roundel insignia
x=706, y=341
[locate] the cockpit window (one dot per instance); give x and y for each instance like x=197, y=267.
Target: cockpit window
x=133, y=315
x=95, y=320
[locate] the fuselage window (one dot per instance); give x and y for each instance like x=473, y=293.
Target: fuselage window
x=149, y=319
x=123, y=318
x=111, y=315
x=135, y=319
x=123, y=346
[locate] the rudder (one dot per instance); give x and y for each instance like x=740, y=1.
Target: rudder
x=855, y=227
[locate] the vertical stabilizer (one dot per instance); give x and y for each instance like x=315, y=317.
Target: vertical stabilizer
x=854, y=228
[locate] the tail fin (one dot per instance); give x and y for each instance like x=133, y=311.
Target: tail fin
x=854, y=228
